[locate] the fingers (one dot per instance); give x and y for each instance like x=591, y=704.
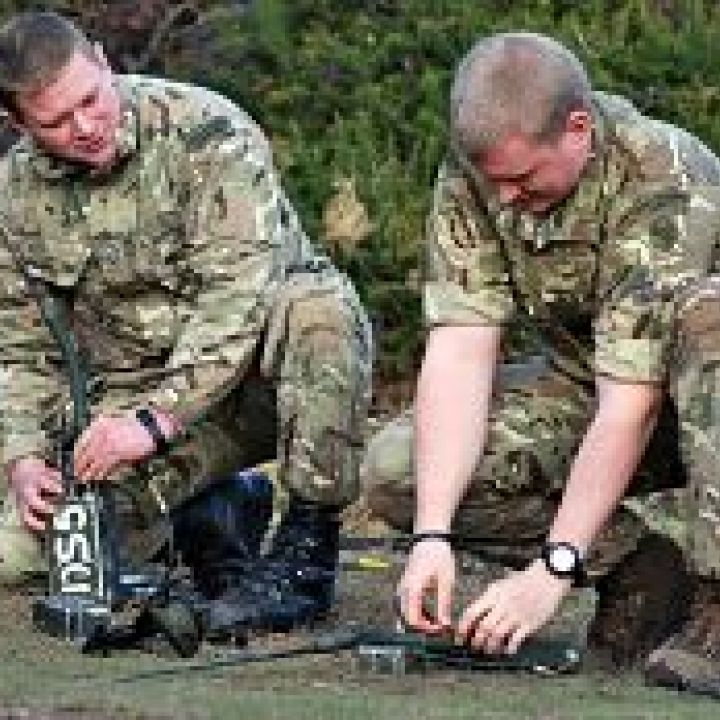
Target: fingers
x=493, y=632
x=88, y=451
x=487, y=625
x=516, y=639
x=429, y=576
x=481, y=631
x=411, y=601
x=444, y=605
x=508, y=612
x=82, y=453
x=473, y=614
x=499, y=638
x=31, y=521
x=97, y=469
x=37, y=493
x=35, y=509
x=51, y=483
x=426, y=605
x=39, y=505
x=93, y=459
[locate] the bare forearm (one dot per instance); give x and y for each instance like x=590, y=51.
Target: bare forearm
x=599, y=478
x=452, y=404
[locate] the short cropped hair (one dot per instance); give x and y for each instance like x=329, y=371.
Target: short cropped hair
x=34, y=48
x=515, y=83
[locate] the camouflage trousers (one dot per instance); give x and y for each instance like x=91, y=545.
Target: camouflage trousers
x=303, y=400
x=537, y=421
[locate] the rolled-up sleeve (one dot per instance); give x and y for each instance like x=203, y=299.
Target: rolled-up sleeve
x=29, y=384
x=663, y=244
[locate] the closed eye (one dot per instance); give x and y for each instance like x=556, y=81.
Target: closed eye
x=90, y=99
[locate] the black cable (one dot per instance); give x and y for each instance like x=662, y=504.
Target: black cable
x=324, y=643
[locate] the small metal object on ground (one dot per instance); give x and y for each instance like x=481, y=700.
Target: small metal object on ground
x=381, y=659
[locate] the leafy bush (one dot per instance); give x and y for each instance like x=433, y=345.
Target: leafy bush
x=357, y=90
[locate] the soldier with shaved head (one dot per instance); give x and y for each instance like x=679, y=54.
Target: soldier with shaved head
x=567, y=210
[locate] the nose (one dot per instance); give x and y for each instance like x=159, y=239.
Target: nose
x=508, y=193
x=83, y=124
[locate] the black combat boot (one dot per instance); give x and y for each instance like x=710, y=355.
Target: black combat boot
x=294, y=584
x=218, y=532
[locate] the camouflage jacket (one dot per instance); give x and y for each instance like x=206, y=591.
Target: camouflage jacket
x=602, y=273
x=169, y=258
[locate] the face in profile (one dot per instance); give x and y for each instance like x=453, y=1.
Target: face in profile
x=76, y=116
x=534, y=176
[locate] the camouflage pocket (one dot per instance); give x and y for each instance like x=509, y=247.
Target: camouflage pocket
x=20, y=550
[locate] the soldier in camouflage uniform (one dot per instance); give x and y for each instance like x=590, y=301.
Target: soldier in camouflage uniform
x=154, y=209
x=571, y=211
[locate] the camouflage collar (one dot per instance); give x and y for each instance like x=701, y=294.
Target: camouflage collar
x=51, y=167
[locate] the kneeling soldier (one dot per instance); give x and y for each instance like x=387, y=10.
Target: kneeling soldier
x=207, y=320
x=568, y=209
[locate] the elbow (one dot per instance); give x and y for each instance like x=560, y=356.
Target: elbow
x=630, y=406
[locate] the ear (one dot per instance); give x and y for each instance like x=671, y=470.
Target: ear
x=579, y=121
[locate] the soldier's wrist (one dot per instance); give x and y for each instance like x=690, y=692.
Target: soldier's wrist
x=148, y=419
x=168, y=424
x=425, y=536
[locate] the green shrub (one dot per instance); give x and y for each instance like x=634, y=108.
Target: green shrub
x=358, y=89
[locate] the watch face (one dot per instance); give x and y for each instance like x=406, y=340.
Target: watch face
x=562, y=559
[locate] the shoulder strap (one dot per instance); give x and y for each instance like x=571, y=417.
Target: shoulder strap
x=54, y=311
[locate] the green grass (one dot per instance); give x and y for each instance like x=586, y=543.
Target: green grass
x=228, y=695
x=48, y=679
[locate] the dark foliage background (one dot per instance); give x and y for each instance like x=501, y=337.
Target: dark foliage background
x=353, y=95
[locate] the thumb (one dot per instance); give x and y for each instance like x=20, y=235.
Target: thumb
x=444, y=602
x=52, y=480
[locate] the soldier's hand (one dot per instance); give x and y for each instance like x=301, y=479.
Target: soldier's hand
x=511, y=609
x=430, y=569
x=108, y=443
x=36, y=486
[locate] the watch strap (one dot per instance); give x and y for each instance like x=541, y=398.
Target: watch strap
x=576, y=573
x=431, y=535
x=146, y=418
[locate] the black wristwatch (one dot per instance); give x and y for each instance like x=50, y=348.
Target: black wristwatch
x=564, y=560
x=148, y=421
